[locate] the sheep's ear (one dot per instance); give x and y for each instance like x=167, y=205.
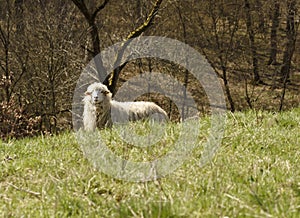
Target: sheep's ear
x=87, y=93
x=104, y=92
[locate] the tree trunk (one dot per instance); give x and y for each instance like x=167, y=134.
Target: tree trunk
x=274, y=28
x=94, y=33
x=186, y=74
x=227, y=89
x=251, y=35
x=261, y=16
x=291, y=35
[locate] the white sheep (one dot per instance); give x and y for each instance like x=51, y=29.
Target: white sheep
x=101, y=111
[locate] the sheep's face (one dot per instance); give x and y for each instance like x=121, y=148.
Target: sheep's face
x=98, y=92
x=98, y=96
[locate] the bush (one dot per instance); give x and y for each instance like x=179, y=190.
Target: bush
x=15, y=122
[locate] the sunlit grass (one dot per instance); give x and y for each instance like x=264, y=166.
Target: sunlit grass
x=255, y=173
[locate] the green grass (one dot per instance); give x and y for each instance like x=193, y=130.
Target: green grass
x=255, y=173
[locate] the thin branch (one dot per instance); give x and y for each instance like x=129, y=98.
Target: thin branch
x=3, y=37
x=2, y=67
x=87, y=49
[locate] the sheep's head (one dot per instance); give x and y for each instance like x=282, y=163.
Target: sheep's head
x=98, y=93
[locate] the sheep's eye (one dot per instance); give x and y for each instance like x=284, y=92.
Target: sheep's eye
x=104, y=92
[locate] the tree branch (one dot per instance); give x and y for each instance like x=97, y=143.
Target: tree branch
x=99, y=8
x=90, y=17
x=111, y=80
x=82, y=7
x=147, y=23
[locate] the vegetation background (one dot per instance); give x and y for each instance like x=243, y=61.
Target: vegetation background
x=253, y=45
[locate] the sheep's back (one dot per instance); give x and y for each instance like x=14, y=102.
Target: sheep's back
x=132, y=111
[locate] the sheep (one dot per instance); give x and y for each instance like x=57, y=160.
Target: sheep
x=100, y=110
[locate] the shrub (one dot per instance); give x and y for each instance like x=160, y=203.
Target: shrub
x=15, y=122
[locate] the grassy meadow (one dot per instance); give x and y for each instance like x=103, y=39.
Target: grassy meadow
x=255, y=173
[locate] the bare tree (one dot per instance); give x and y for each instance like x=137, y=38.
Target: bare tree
x=183, y=22
x=90, y=17
x=15, y=119
x=219, y=33
x=10, y=73
x=112, y=79
x=291, y=37
x=291, y=34
x=5, y=39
